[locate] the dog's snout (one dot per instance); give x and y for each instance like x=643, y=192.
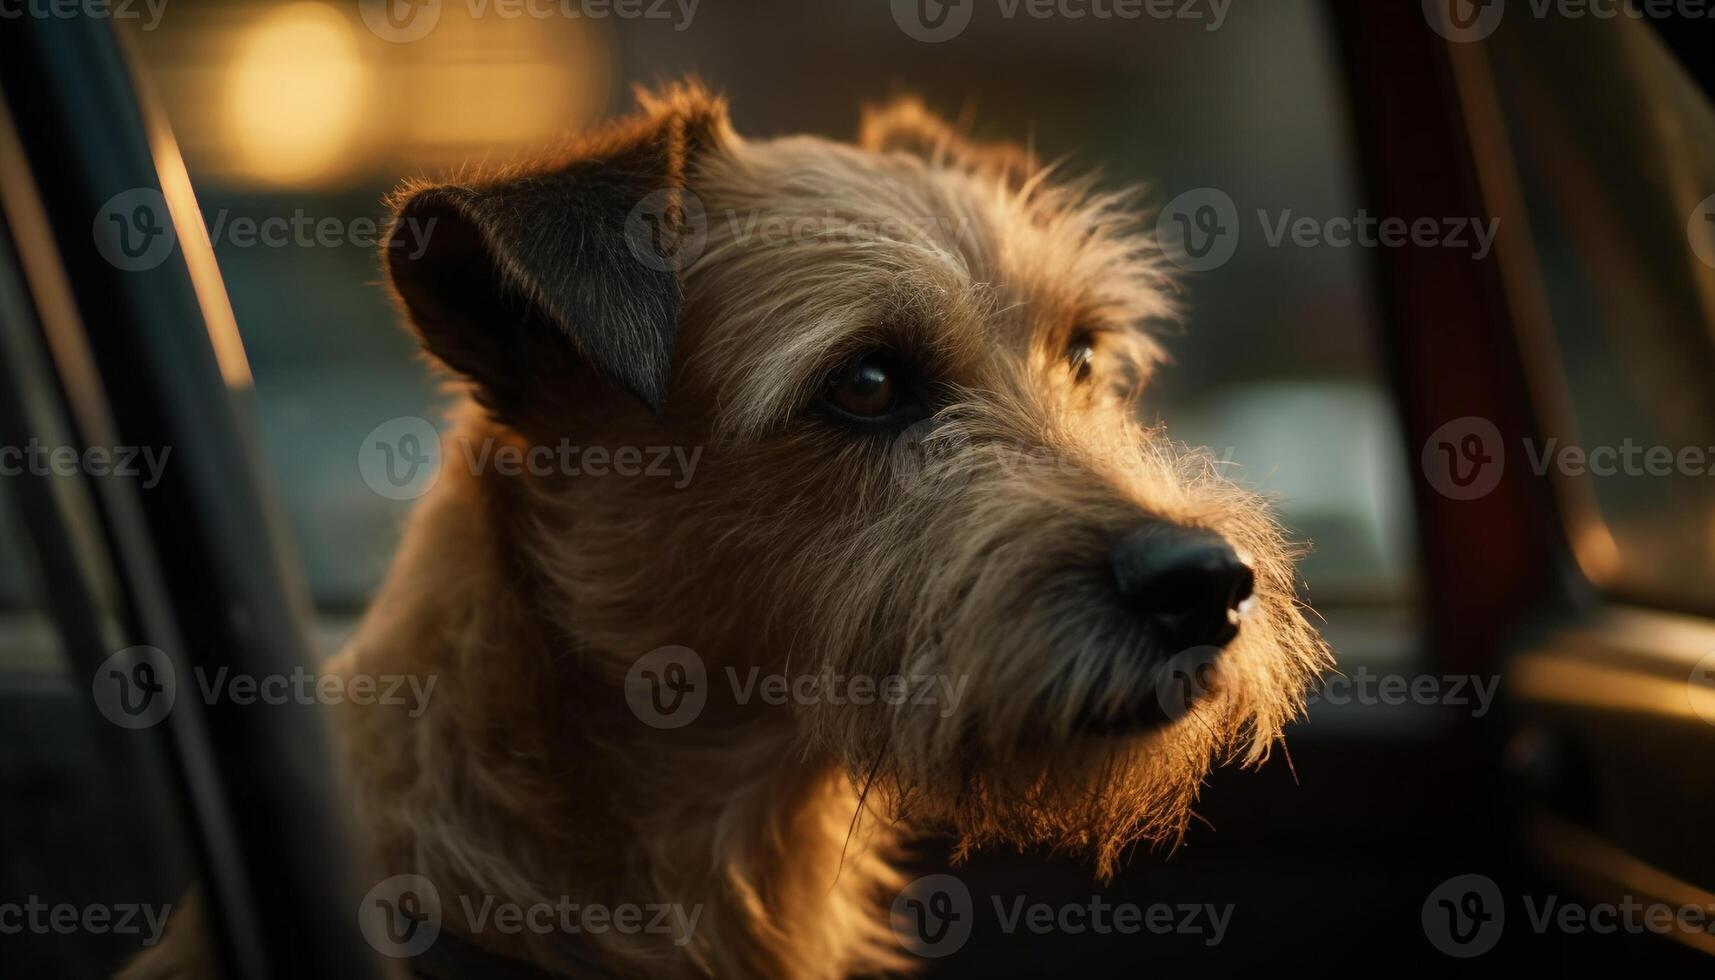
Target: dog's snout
x=1187, y=582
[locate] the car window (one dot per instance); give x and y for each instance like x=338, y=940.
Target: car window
x=101, y=875
x=108, y=856
x=1276, y=369
x=1614, y=150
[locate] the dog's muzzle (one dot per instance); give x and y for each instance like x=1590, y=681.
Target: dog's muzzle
x=1190, y=589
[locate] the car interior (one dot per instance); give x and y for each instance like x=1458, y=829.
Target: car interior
x=1499, y=447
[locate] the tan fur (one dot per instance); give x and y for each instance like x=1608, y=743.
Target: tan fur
x=796, y=548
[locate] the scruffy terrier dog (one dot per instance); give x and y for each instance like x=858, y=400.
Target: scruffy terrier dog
x=919, y=460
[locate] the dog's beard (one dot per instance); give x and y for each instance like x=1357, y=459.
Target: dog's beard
x=1071, y=731
x=1017, y=777
x=1095, y=799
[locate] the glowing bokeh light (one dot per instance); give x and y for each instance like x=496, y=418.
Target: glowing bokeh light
x=297, y=94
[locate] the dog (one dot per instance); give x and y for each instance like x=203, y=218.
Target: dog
x=1004, y=608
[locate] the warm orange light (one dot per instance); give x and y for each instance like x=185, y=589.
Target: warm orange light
x=199, y=258
x=1597, y=553
x=296, y=95
x=307, y=94
x=480, y=85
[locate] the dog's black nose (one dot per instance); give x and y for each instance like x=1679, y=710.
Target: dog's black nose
x=1187, y=582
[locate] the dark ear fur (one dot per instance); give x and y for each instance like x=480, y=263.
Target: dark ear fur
x=511, y=279
x=906, y=125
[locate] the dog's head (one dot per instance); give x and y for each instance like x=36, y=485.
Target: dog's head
x=906, y=371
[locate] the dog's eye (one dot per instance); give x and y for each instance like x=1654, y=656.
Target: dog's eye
x=1081, y=357
x=870, y=388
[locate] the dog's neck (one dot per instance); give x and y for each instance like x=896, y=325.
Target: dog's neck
x=526, y=780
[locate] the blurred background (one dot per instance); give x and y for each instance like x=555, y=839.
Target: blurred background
x=1327, y=376
x=301, y=109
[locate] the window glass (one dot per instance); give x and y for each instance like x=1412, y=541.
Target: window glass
x=98, y=878
x=104, y=856
x=1614, y=148
x=307, y=111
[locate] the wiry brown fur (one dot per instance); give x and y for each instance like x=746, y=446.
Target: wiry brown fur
x=798, y=547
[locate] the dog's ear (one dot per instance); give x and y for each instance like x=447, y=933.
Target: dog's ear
x=906, y=125
x=513, y=279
